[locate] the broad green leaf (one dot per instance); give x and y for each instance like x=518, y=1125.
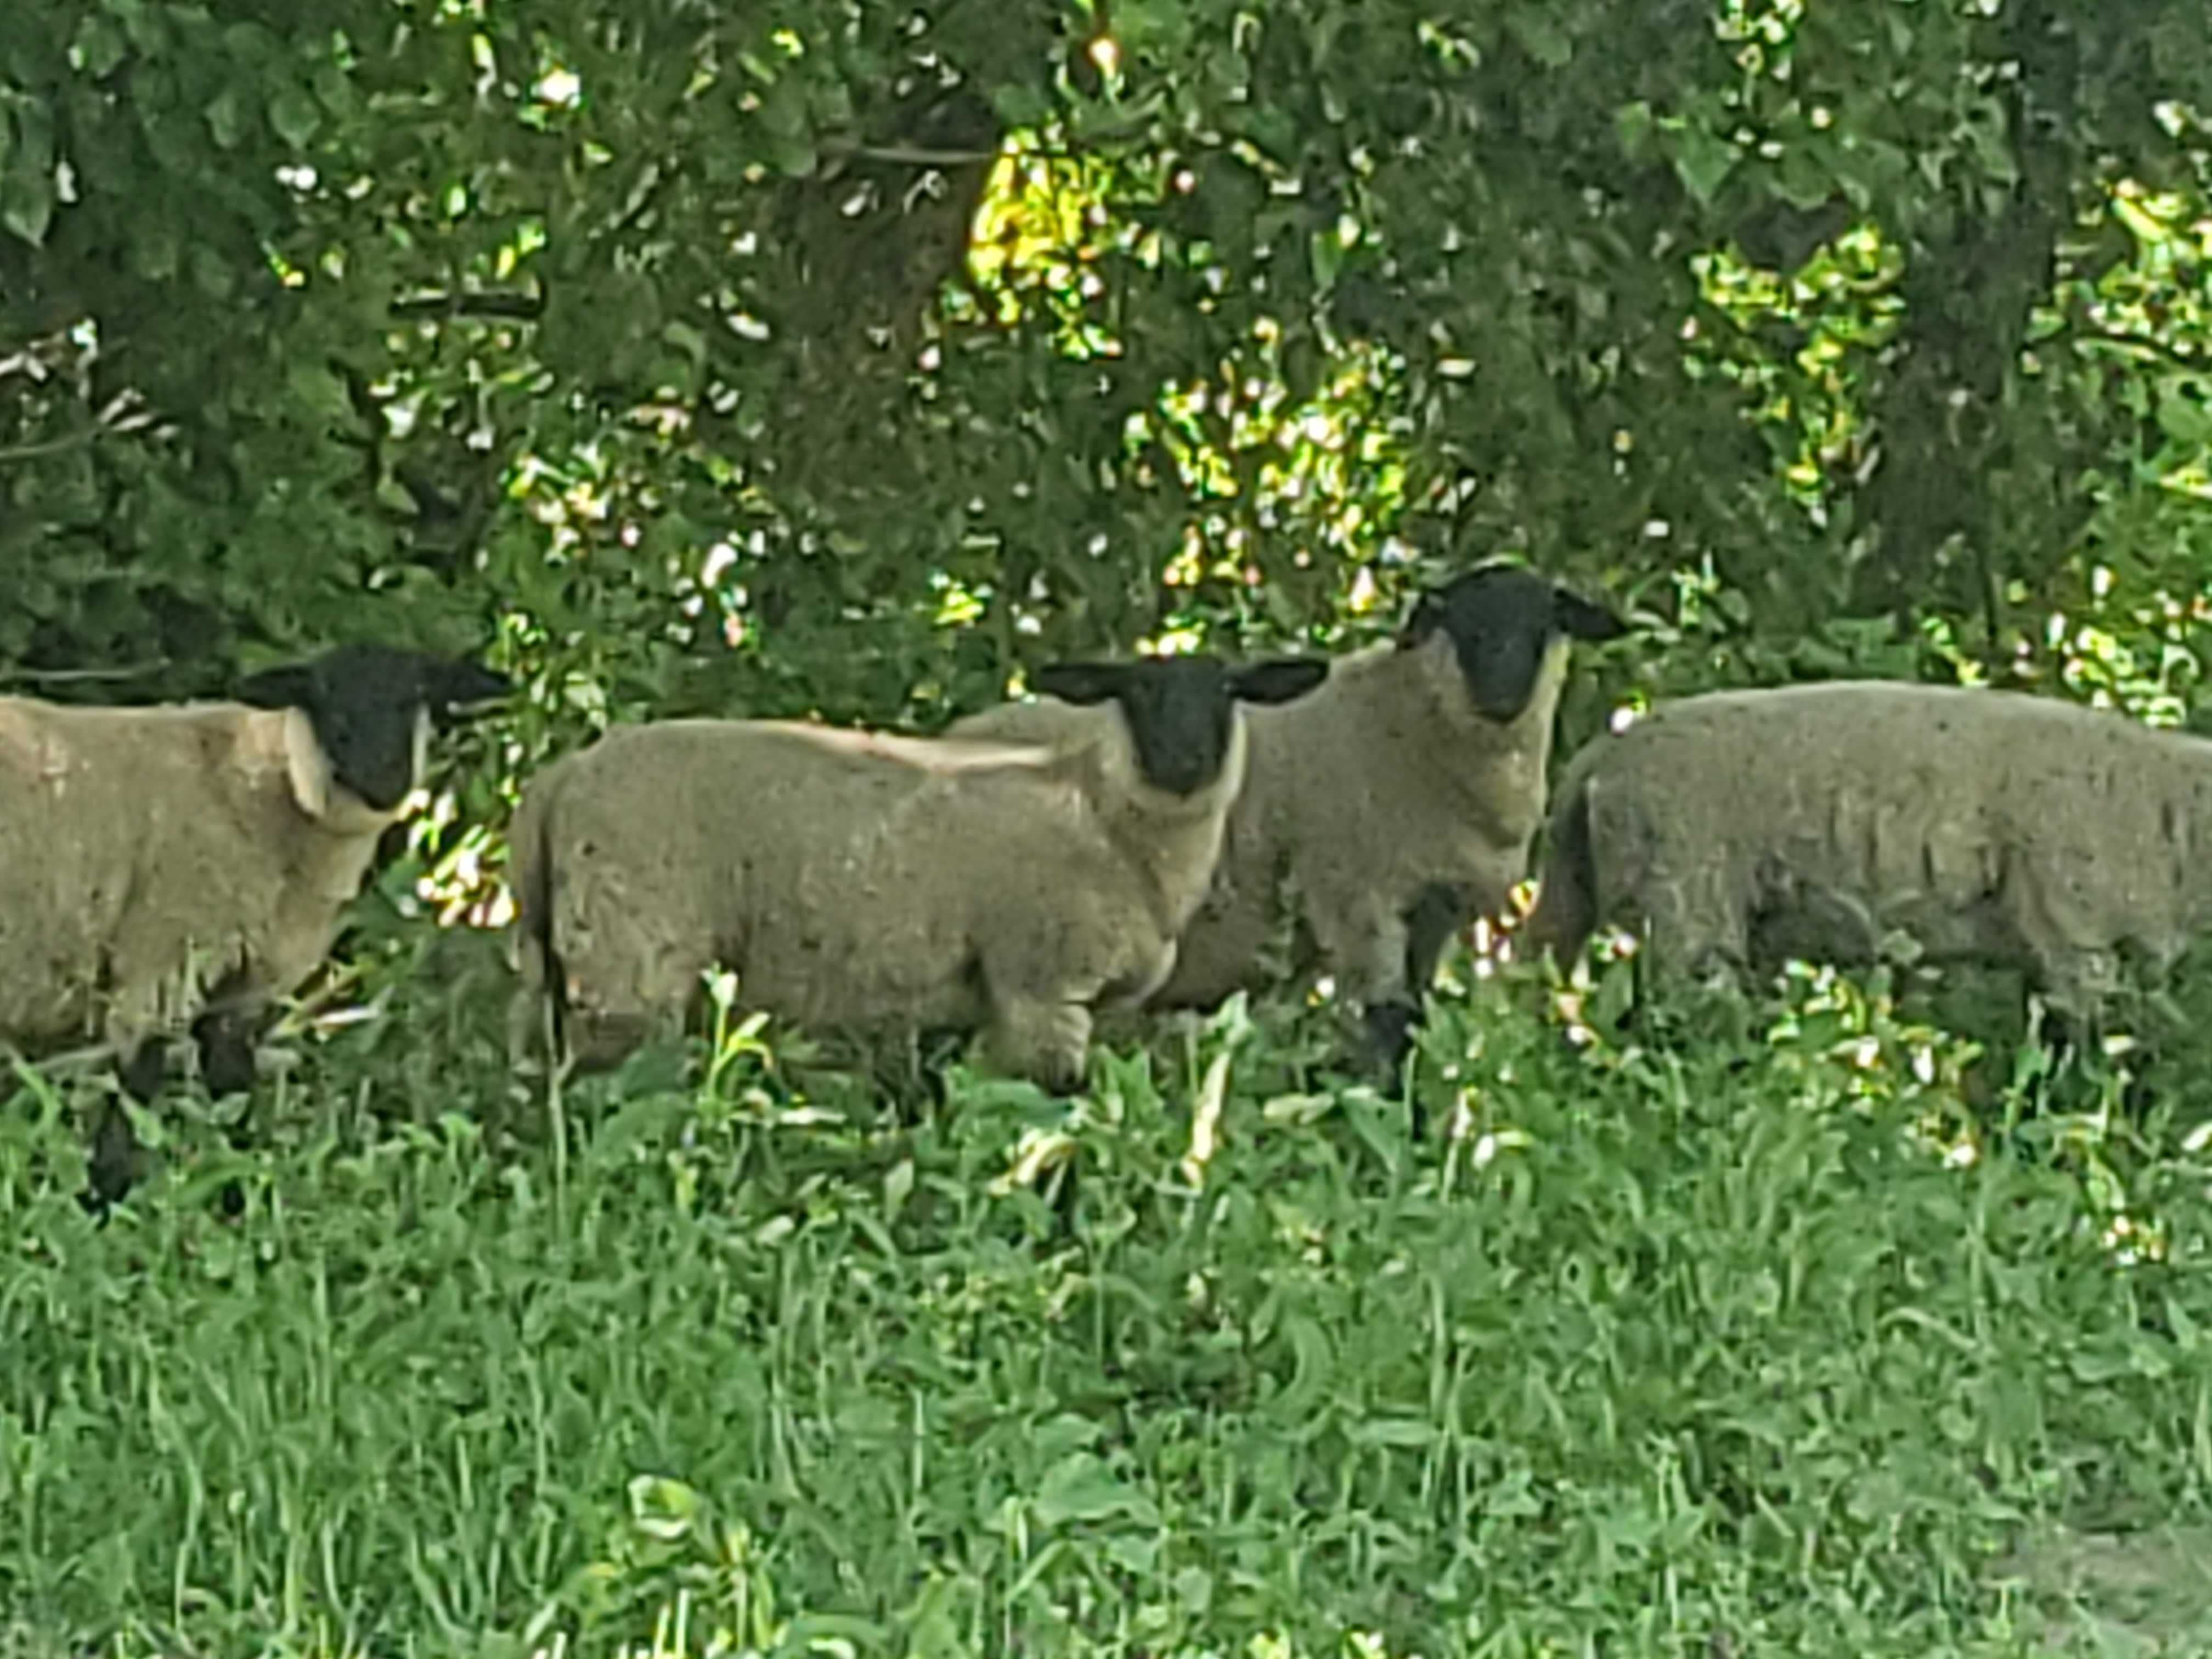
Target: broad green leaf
x=27, y=198
x=1702, y=159
x=1274, y=129
x=1324, y=257
x=663, y=1508
x=1314, y=1367
x=319, y=392
x=2185, y=411
x=227, y=115
x=2180, y=51
x=793, y=154
x=1080, y=1487
x=1151, y=25
x=336, y=92
x=156, y=247
x=1633, y=125
x=250, y=44
x=33, y=124
x=295, y=115
x=783, y=106
x=146, y=24
x=98, y=46
x=1803, y=179
x=1020, y=105
x=211, y=274
x=1536, y=29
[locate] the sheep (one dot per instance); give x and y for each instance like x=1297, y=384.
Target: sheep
x=1390, y=807
x=1811, y=820
x=870, y=882
x=186, y=865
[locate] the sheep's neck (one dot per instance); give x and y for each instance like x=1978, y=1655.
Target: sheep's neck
x=329, y=833
x=1172, y=842
x=1413, y=707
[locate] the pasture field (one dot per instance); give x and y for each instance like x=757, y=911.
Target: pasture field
x=1759, y=1343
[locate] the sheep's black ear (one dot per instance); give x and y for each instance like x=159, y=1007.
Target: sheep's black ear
x=1082, y=682
x=456, y=683
x=1279, y=679
x=290, y=685
x=1584, y=619
x=1179, y=711
x=1429, y=612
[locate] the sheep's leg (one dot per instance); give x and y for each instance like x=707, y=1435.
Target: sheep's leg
x=1435, y=915
x=532, y=1018
x=1565, y=913
x=114, y=1162
x=612, y=998
x=1440, y=911
x=145, y=1071
x=141, y=1013
x=225, y=1040
x=1046, y=1041
x=1369, y=945
x=113, y=1165
x=1562, y=921
x=117, y=1159
x=1695, y=927
x=2076, y=983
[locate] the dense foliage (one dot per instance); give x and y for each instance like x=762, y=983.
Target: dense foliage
x=1891, y=314
x=847, y=358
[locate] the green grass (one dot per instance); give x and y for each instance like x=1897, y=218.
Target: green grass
x=1752, y=1345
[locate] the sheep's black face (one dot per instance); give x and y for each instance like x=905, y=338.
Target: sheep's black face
x=1501, y=620
x=1180, y=711
x=366, y=703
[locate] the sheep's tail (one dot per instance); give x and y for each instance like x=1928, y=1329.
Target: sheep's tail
x=531, y=949
x=1565, y=914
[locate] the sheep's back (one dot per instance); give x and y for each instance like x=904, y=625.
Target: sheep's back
x=133, y=838
x=846, y=884
x=1982, y=822
x=1043, y=720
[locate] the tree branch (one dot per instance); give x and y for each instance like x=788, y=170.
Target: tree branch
x=509, y=304
x=68, y=440
x=71, y=676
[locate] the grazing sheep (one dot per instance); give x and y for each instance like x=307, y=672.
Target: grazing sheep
x=860, y=880
x=1396, y=803
x=186, y=863
x=1811, y=820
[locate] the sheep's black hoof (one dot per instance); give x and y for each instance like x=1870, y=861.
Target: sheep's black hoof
x=226, y=1045
x=113, y=1169
x=143, y=1074
x=1389, y=1044
x=238, y=1132
x=1390, y=1035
